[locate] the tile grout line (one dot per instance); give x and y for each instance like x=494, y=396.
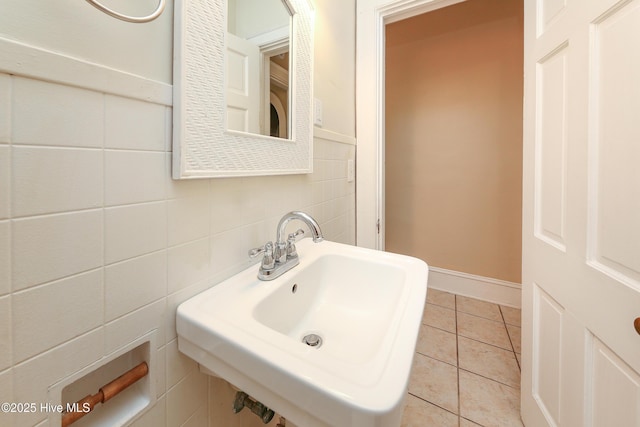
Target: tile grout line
x=436, y=359
x=511, y=350
x=432, y=403
x=489, y=378
x=484, y=317
x=510, y=339
x=440, y=329
x=488, y=343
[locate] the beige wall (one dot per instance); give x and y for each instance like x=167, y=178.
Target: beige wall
x=454, y=138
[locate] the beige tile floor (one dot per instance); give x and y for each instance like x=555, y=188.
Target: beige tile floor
x=466, y=370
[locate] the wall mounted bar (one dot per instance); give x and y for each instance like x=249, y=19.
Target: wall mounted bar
x=106, y=392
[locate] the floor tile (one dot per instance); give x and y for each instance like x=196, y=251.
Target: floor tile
x=444, y=299
x=489, y=361
x=467, y=362
x=466, y=423
x=478, y=308
x=435, y=382
x=439, y=317
x=418, y=413
x=438, y=344
x=484, y=330
x=515, y=336
x=511, y=315
x=487, y=402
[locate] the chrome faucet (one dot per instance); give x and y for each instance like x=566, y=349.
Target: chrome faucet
x=282, y=256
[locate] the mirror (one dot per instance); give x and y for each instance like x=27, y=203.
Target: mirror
x=258, y=34
x=211, y=136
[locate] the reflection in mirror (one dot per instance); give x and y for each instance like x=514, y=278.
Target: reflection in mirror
x=257, y=67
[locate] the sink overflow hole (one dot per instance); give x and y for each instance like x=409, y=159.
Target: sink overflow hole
x=294, y=288
x=312, y=340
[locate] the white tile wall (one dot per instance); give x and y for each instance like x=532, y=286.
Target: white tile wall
x=187, y=188
x=34, y=309
x=133, y=124
x=6, y=395
x=5, y=258
x=188, y=219
x=5, y=334
x=161, y=373
x=156, y=416
x=186, y=397
x=50, y=114
x=226, y=200
x=46, y=248
x=134, y=283
x=134, y=177
x=175, y=299
x=188, y=264
x=178, y=365
x=125, y=329
x=134, y=230
x=199, y=419
x=5, y=108
x=230, y=246
x=38, y=373
x=5, y=174
x=48, y=180
x=98, y=245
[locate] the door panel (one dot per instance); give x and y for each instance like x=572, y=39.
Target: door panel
x=551, y=145
x=615, y=139
x=616, y=389
x=581, y=213
x=243, y=90
x=547, y=358
x=548, y=11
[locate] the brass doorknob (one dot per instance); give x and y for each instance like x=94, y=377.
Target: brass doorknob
x=636, y=324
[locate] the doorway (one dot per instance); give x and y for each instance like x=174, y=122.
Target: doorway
x=581, y=277
x=453, y=139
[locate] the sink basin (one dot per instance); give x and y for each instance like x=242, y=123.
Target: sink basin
x=329, y=343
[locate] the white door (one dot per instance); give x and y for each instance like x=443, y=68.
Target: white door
x=243, y=85
x=581, y=225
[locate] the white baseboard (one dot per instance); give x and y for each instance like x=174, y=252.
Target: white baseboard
x=479, y=287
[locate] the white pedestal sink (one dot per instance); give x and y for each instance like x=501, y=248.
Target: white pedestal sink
x=364, y=305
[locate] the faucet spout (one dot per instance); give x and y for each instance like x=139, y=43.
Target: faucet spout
x=282, y=256
x=316, y=233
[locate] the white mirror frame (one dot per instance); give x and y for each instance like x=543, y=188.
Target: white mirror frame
x=202, y=145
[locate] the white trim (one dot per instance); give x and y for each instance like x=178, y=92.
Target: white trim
x=328, y=135
x=274, y=38
x=404, y=9
x=282, y=114
x=479, y=287
x=279, y=76
x=277, y=47
x=373, y=15
x=30, y=61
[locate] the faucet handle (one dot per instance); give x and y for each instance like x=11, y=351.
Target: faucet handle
x=280, y=252
x=268, y=261
x=291, y=243
x=256, y=251
x=293, y=236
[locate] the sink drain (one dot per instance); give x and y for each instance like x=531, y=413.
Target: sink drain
x=312, y=340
